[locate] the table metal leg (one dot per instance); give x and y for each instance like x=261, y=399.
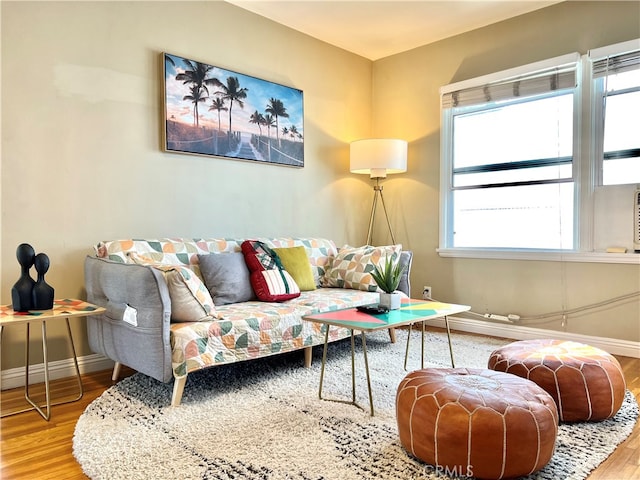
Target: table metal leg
x=406, y=353
x=324, y=360
x=44, y=415
x=446, y=322
x=75, y=363
x=422, y=348
x=353, y=368
x=18, y=411
x=353, y=372
x=366, y=366
x=41, y=409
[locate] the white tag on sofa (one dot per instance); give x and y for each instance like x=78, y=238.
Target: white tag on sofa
x=130, y=316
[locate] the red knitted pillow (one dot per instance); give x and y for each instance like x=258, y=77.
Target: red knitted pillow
x=270, y=281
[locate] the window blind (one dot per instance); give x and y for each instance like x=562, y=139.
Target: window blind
x=616, y=64
x=526, y=81
x=618, y=58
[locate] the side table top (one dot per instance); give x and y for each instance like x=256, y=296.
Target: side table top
x=63, y=308
x=410, y=311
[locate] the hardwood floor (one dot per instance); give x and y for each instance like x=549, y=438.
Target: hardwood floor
x=34, y=449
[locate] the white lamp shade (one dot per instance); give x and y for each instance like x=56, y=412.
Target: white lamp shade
x=378, y=156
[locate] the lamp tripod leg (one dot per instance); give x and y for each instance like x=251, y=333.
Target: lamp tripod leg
x=373, y=214
x=386, y=215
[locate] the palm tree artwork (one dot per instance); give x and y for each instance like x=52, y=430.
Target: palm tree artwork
x=196, y=96
x=277, y=109
x=218, y=104
x=293, y=131
x=232, y=92
x=257, y=118
x=269, y=122
x=197, y=78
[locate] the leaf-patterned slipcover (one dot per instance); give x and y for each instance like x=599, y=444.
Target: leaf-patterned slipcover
x=249, y=329
x=257, y=329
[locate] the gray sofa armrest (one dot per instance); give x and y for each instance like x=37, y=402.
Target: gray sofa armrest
x=406, y=258
x=145, y=346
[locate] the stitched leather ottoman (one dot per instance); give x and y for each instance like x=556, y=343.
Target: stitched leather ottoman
x=586, y=383
x=476, y=422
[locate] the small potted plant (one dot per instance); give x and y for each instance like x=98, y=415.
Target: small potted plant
x=388, y=278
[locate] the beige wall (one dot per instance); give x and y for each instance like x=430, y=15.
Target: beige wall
x=81, y=158
x=406, y=103
x=81, y=117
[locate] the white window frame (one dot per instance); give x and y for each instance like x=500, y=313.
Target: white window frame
x=597, y=133
x=584, y=173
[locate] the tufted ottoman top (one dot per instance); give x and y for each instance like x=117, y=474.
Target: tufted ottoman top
x=476, y=422
x=586, y=382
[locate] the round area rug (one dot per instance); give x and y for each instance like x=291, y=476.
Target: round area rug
x=262, y=419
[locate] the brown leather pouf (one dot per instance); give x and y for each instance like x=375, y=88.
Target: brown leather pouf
x=476, y=422
x=586, y=383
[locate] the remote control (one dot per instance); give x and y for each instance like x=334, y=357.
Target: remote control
x=375, y=309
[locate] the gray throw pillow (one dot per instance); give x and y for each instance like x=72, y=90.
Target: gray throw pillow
x=227, y=277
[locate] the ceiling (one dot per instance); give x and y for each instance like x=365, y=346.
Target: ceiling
x=376, y=29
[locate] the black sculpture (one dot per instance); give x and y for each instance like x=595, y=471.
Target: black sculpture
x=27, y=294
x=22, y=291
x=42, y=291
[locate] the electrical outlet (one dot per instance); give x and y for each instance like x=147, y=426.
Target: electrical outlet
x=426, y=292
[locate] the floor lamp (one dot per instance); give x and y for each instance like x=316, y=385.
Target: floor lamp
x=378, y=157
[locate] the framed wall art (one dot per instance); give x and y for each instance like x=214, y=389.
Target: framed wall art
x=212, y=111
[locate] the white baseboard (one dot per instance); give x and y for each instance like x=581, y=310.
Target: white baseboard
x=14, y=377
x=614, y=346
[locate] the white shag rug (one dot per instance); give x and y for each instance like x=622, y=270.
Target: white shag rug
x=262, y=419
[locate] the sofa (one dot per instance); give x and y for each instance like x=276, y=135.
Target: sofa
x=176, y=306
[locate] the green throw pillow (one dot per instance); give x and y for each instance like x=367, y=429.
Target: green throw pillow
x=296, y=261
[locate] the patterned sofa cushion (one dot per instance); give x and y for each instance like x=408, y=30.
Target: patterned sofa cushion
x=352, y=266
x=190, y=299
x=185, y=251
x=168, y=251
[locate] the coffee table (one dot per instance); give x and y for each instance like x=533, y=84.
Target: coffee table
x=411, y=311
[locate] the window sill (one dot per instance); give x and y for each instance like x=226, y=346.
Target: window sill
x=547, y=256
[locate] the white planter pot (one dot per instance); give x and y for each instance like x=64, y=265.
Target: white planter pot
x=391, y=300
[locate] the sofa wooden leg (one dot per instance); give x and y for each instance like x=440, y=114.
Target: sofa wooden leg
x=178, y=388
x=308, y=355
x=392, y=335
x=116, y=371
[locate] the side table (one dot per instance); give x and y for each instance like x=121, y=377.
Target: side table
x=65, y=308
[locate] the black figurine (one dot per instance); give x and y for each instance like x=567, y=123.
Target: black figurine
x=22, y=291
x=42, y=291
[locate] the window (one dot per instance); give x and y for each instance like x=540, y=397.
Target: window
x=616, y=86
x=509, y=160
x=534, y=159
